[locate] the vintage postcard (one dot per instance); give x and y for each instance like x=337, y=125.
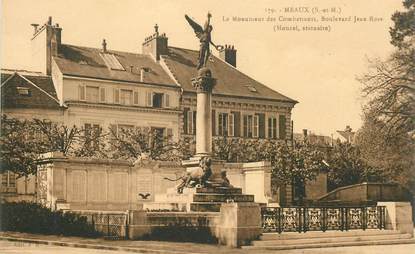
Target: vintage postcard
x=282, y=126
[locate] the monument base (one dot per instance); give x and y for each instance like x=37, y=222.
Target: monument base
x=210, y=199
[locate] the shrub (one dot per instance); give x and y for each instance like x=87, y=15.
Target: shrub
x=34, y=218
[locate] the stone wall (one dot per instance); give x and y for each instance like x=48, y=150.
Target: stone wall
x=109, y=185
x=100, y=184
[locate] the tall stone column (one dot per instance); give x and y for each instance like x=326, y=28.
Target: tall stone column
x=204, y=84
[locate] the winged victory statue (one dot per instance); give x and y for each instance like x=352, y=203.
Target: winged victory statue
x=204, y=35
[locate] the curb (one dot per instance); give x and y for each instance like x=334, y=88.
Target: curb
x=89, y=246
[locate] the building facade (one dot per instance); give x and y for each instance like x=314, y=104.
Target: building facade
x=103, y=88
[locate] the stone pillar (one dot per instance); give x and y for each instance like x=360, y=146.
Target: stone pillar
x=138, y=226
x=399, y=216
x=238, y=224
x=204, y=84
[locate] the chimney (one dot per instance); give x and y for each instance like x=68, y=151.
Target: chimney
x=228, y=54
x=305, y=133
x=104, y=46
x=156, y=44
x=42, y=54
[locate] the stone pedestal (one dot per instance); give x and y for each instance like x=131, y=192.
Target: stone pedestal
x=211, y=199
x=239, y=224
x=399, y=216
x=138, y=225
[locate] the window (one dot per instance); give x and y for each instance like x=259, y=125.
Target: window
x=223, y=124
x=247, y=126
x=92, y=93
x=23, y=91
x=251, y=88
x=112, y=62
x=126, y=97
x=251, y=126
x=92, y=132
x=157, y=100
x=8, y=179
x=272, y=127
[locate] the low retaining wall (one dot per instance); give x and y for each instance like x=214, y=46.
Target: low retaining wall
x=236, y=224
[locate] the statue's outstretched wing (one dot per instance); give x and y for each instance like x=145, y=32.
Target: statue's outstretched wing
x=196, y=27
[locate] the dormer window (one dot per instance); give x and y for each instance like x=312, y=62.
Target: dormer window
x=24, y=91
x=251, y=89
x=112, y=62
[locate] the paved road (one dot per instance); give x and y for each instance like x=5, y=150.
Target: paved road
x=25, y=248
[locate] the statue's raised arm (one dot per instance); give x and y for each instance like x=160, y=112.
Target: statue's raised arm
x=204, y=35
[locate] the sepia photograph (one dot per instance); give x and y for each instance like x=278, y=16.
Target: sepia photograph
x=183, y=126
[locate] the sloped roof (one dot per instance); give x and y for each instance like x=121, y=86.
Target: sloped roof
x=87, y=62
x=42, y=93
x=230, y=81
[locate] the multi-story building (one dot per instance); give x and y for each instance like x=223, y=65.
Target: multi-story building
x=102, y=88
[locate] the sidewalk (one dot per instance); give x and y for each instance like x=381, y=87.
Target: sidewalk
x=118, y=245
x=52, y=242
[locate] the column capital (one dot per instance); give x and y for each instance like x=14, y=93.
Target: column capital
x=204, y=82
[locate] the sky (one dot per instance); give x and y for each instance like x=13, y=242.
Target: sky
x=316, y=68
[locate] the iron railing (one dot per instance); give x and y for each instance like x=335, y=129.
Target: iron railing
x=303, y=219
x=111, y=225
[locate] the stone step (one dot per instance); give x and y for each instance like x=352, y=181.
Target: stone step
x=222, y=197
x=331, y=240
x=205, y=207
x=336, y=244
x=220, y=190
x=320, y=234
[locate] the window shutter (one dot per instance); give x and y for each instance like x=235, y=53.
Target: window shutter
x=213, y=122
x=166, y=100
x=237, y=123
x=135, y=99
x=282, y=127
x=102, y=94
x=231, y=125
x=261, y=123
x=82, y=92
x=185, y=121
x=194, y=122
x=116, y=95
x=169, y=134
x=245, y=126
x=190, y=122
x=149, y=99
x=274, y=128
x=255, y=126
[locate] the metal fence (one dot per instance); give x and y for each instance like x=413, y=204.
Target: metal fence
x=111, y=225
x=302, y=219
